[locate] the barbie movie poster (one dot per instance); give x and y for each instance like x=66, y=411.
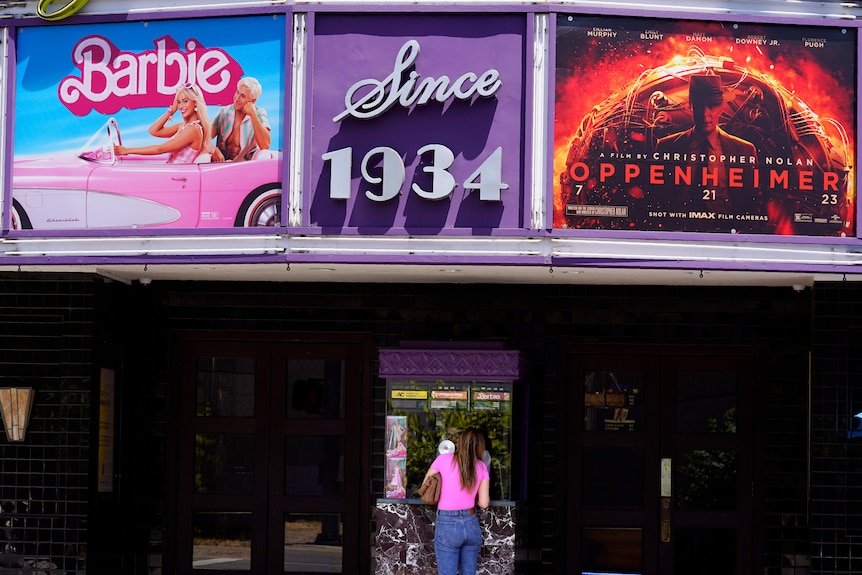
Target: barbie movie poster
x=396, y=436
x=151, y=124
x=396, y=478
x=396, y=456
x=696, y=126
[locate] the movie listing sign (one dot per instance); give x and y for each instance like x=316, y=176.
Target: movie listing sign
x=417, y=122
x=148, y=125
x=675, y=125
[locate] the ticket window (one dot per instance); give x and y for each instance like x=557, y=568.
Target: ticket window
x=423, y=411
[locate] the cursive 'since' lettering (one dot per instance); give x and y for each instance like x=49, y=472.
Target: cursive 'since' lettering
x=370, y=98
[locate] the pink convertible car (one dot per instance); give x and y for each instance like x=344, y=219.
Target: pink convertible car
x=97, y=189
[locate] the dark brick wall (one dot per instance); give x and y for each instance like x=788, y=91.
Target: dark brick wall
x=836, y=454
x=127, y=525
x=56, y=332
x=46, y=342
x=131, y=325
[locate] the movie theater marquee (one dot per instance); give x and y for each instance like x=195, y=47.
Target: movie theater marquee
x=429, y=124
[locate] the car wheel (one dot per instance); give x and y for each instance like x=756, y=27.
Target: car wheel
x=262, y=208
x=20, y=221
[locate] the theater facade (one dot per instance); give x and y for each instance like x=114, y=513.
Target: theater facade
x=621, y=241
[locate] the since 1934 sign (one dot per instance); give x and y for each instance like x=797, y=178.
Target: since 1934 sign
x=417, y=121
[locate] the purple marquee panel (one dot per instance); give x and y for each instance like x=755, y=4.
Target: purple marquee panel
x=417, y=122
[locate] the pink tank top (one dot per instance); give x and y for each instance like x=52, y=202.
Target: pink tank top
x=452, y=496
x=186, y=154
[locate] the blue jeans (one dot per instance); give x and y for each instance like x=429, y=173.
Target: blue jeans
x=457, y=540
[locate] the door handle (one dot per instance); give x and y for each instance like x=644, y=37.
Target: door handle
x=665, y=494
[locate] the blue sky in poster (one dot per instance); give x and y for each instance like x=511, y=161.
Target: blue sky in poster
x=44, y=125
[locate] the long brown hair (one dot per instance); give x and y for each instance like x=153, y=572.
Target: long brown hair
x=471, y=447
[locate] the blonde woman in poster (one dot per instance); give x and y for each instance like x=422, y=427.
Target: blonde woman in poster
x=188, y=141
x=396, y=472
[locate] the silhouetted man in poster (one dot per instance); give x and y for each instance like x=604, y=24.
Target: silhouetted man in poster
x=720, y=163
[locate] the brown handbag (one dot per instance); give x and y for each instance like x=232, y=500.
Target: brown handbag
x=430, y=490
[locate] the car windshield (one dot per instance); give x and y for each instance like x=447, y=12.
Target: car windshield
x=100, y=146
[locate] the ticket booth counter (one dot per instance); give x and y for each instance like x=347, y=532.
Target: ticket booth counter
x=432, y=394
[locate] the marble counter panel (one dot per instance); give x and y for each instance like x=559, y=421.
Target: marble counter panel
x=404, y=542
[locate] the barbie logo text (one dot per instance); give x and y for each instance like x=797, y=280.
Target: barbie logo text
x=111, y=79
x=370, y=98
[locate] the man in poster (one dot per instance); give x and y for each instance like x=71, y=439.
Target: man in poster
x=241, y=129
x=705, y=146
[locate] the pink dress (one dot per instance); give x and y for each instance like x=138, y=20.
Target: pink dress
x=186, y=154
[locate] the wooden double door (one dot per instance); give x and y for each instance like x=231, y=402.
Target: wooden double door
x=270, y=454
x=660, y=473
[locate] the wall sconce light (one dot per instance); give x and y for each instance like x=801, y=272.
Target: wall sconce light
x=16, y=403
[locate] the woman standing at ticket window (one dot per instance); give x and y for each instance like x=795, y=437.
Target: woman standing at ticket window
x=463, y=478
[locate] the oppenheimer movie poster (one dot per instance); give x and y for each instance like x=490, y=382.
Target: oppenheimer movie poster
x=698, y=126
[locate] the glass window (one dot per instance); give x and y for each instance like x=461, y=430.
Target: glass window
x=314, y=465
x=315, y=389
x=423, y=412
x=225, y=387
x=313, y=542
x=705, y=479
x=612, y=550
x=706, y=402
x=222, y=540
x=613, y=478
x=704, y=551
x=224, y=463
x=613, y=401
